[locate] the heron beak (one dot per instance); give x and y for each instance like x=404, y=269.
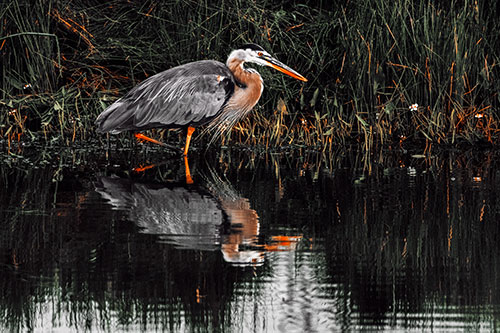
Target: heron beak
x=283, y=68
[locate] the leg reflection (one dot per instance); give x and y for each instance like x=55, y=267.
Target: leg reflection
x=189, y=180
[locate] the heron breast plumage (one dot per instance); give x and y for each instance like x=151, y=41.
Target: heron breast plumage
x=247, y=92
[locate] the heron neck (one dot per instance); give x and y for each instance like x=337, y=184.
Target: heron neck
x=250, y=87
x=245, y=77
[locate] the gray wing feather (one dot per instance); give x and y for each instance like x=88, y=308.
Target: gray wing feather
x=184, y=95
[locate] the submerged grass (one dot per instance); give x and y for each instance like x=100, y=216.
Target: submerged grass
x=63, y=62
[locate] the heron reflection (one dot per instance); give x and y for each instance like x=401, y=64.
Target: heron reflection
x=205, y=92
x=210, y=216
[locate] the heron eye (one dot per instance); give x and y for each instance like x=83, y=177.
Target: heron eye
x=260, y=54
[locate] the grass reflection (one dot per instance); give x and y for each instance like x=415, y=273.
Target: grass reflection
x=405, y=242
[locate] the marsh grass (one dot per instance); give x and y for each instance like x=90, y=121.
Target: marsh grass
x=63, y=62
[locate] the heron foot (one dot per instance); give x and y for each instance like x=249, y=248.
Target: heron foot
x=142, y=137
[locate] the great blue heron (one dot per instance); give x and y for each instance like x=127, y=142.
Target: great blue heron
x=194, y=94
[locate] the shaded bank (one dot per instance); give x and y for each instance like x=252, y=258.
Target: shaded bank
x=63, y=62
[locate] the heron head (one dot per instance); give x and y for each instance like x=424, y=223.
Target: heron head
x=256, y=54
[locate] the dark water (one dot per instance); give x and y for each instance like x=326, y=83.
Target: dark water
x=257, y=243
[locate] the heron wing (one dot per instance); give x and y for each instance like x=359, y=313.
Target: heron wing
x=190, y=94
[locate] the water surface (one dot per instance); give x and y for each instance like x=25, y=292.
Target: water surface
x=292, y=242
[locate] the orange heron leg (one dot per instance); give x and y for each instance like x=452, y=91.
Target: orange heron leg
x=188, y=139
x=141, y=136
